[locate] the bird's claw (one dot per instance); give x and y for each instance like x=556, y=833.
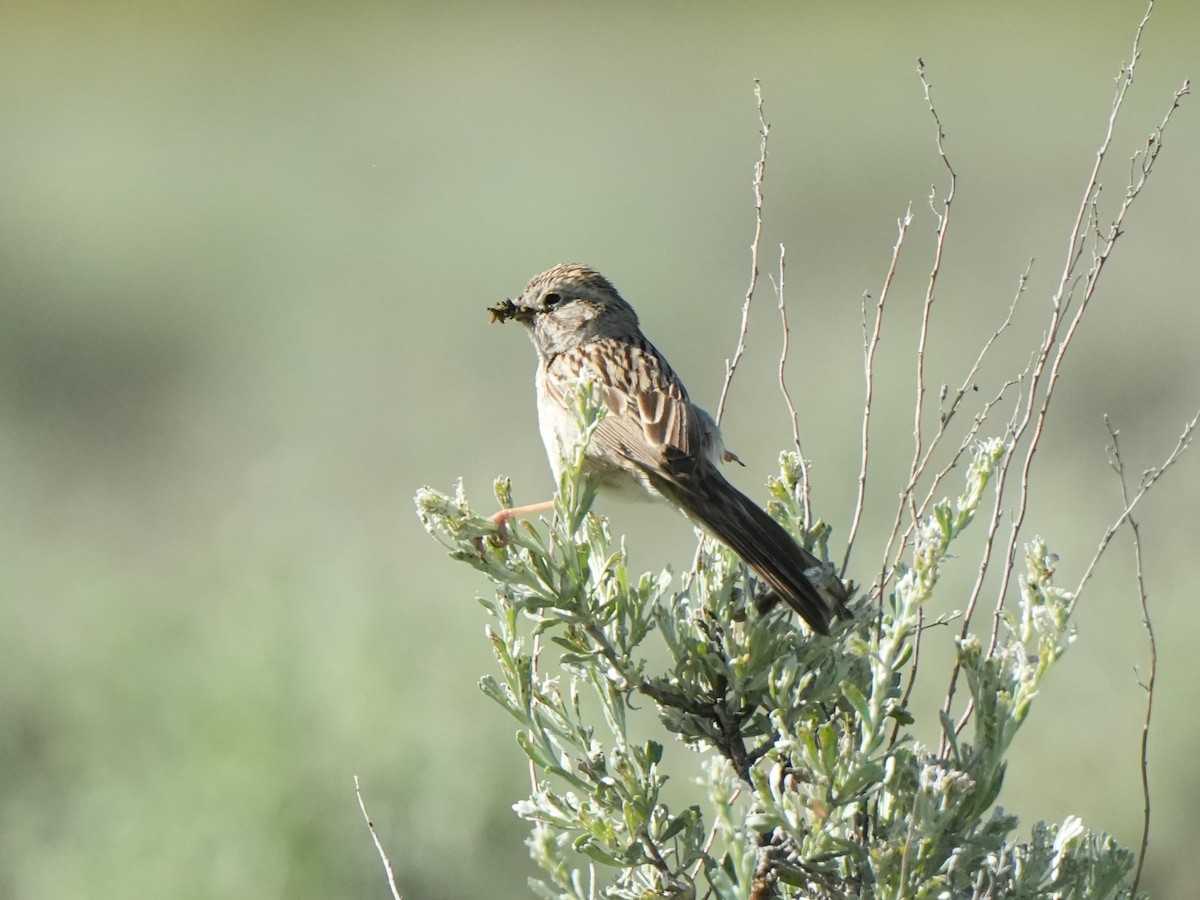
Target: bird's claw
x=500, y=537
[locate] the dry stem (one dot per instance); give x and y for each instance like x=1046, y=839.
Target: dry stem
x=805, y=495
x=759, y=170
x=387, y=866
x=1144, y=600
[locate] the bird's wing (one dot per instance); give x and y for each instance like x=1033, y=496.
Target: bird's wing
x=650, y=421
x=653, y=429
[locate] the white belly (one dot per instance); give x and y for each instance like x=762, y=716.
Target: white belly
x=560, y=434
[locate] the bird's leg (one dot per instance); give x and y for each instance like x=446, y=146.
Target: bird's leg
x=501, y=518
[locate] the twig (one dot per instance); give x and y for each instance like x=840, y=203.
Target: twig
x=985, y=560
x=766, y=878
x=943, y=226
x=805, y=495
x=946, y=416
x=870, y=343
x=1144, y=600
x=759, y=170
x=1061, y=300
x=1144, y=762
x=652, y=851
x=712, y=836
x=918, y=462
x=968, y=383
x=1149, y=477
x=1056, y=342
x=387, y=866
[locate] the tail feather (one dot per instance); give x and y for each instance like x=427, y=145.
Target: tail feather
x=763, y=544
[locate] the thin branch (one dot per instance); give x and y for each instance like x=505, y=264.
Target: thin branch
x=942, y=229
x=712, y=836
x=943, y=225
x=387, y=866
x=945, y=418
x=759, y=170
x=969, y=382
x=1060, y=301
x=969, y=386
x=1144, y=600
x=652, y=851
x=976, y=424
x=870, y=343
x=985, y=560
x=766, y=879
x=1144, y=764
x=1149, y=477
x=805, y=495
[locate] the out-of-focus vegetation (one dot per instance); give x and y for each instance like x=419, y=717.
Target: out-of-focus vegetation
x=245, y=250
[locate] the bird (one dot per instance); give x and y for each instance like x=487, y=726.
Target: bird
x=652, y=439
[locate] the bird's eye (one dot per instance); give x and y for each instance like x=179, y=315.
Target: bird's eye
x=552, y=300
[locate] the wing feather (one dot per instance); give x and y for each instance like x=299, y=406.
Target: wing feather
x=650, y=420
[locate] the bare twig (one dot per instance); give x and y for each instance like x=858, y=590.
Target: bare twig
x=969, y=382
x=1149, y=477
x=943, y=226
x=1047, y=362
x=870, y=343
x=387, y=866
x=945, y=418
x=918, y=462
x=968, y=386
x=1144, y=762
x=1057, y=342
x=652, y=851
x=712, y=836
x=759, y=170
x=805, y=495
x=1144, y=759
x=985, y=560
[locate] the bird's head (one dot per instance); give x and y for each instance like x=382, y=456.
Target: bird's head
x=566, y=306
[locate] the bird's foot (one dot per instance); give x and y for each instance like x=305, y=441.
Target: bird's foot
x=501, y=520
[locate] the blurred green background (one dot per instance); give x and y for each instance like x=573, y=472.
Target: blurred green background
x=246, y=250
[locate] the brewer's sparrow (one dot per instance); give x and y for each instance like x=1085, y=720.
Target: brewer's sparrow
x=652, y=436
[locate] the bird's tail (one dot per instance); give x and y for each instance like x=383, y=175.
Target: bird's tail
x=798, y=577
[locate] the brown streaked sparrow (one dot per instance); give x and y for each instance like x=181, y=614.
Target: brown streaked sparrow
x=652, y=436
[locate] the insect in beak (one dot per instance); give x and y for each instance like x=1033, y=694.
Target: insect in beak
x=506, y=310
